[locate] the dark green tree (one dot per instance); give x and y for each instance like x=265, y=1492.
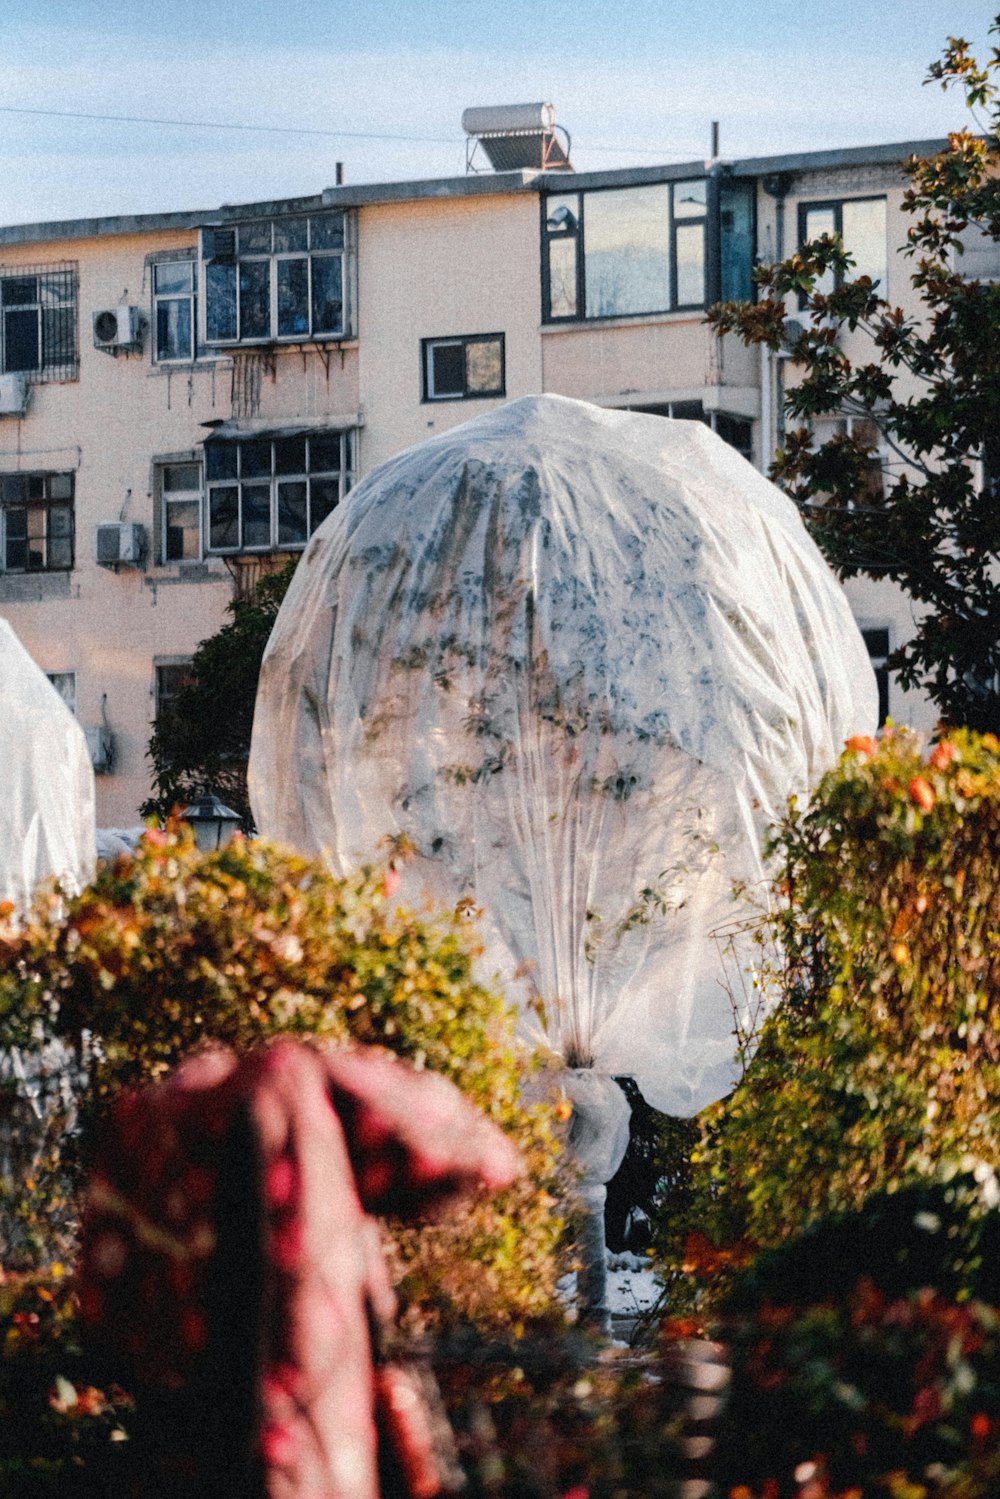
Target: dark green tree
x=201, y=739
x=929, y=384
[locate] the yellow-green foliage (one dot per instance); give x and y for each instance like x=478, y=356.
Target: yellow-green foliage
x=171, y=949
x=883, y=1059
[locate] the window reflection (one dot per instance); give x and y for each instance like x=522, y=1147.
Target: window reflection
x=627, y=251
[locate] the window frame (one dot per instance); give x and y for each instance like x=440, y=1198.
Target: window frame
x=464, y=341
x=69, y=678
x=578, y=236
x=55, y=308
x=810, y=205
x=45, y=504
x=274, y=479
x=156, y=262
x=219, y=254
x=184, y=666
x=164, y=498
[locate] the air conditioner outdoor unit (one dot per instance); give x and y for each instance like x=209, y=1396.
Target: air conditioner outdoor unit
x=121, y=543
x=102, y=749
x=117, y=328
x=14, y=393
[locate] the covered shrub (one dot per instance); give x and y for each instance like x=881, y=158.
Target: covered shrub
x=170, y=950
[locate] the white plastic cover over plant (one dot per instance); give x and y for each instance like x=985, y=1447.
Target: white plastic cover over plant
x=580, y=658
x=47, y=804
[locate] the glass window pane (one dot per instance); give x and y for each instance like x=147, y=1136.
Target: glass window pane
x=292, y=527
x=220, y=460
x=562, y=213
x=290, y=455
x=324, y=495
x=255, y=239
x=690, y=265
x=20, y=339
x=864, y=232
x=736, y=241
x=173, y=329
x=255, y=298
x=817, y=222
x=181, y=531
x=58, y=336
x=223, y=516
x=483, y=367
x=689, y=199
x=60, y=486
x=291, y=234
x=255, y=458
x=18, y=291
x=17, y=523
x=324, y=453
x=173, y=276
x=446, y=375
x=256, y=515
x=182, y=476
x=627, y=251
x=562, y=277
x=13, y=487
x=220, y=300
x=293, y=297
x=327, y=294
x=60, y=551
x=327, y=233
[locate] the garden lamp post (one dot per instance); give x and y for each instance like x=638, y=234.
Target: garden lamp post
x=212, y=821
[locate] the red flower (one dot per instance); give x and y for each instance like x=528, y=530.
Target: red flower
x=863, y=744
x=922, y=792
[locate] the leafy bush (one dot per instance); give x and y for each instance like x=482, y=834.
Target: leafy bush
x=861, y=1366
x=169, y=950
x=883, y=1058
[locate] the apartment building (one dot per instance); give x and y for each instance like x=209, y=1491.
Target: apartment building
x=185, y=397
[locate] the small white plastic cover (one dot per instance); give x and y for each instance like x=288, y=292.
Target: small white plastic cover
x=581, y=659
x=47, y=806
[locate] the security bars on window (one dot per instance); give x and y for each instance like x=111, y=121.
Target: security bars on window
x=38, y=321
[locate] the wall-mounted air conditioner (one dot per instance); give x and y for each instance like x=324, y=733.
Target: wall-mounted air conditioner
x=102, y=749
x=15, y=392
x=117, y=328
x=121, y=543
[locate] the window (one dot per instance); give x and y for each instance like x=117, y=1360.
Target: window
x=980, y=257
x=270, y=493
x=175, y=310
x=180, y=511
x=36, y=516
x=38, y=310
x=170, y=675
x=860, y=223
x=278, y=279
x=737, y=431
x=864, y=431
x=876, y=639
x=622, y=251
x=459, y=369
x=65, y=684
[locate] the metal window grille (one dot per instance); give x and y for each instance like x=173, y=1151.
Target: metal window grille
x=38, y=320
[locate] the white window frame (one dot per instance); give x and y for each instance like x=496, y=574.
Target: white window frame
x=170, y=497
x=190, y=297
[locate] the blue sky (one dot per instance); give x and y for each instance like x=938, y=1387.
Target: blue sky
x=638, y=83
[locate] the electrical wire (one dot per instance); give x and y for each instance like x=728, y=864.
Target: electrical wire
x=358, y=135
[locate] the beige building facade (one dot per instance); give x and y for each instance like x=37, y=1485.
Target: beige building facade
x=185, y=397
